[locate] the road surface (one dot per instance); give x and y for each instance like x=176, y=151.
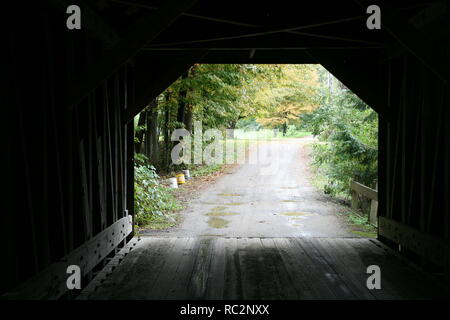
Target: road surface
x=271, y=197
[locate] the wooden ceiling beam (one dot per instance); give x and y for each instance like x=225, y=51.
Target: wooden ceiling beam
x=143, y=31
x=94, y=24
x=431, y=53
x=153, y=76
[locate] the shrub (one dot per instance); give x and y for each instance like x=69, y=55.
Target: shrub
x=151, y=198
x=348, y=130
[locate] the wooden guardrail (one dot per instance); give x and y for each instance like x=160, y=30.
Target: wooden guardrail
x=50, y=284
x=360, y=189
x=427, y=246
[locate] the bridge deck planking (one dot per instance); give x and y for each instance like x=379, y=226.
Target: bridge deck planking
x=262, y=268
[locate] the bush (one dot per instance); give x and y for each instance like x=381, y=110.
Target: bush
x=348, y=130
x=151, y=198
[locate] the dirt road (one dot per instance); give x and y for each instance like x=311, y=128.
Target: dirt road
x=272, y=198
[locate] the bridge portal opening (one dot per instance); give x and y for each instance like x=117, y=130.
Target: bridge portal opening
x=262, y=150
x=68, y=141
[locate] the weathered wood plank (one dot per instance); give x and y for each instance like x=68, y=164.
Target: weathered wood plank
x=295, y=266
x=173, y=261
x=201, y=272
x=284, y=280
x=186, y=259
x=371, y=254
x=399, y=278
x=373, y=214
x=427, y=246
x=51, y=282
x=248, y=267
x=262, y=268
x=348, y=271
x=335, y=280
x=319, y=272
x=216, y=281
x=99, y=280
x=365, y=191
x=355, y=262
x=233, y=286
x=147, y=261
x=87, y=216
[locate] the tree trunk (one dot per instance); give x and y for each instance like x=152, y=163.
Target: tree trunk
x=230, y=134
x=188, y=118
x=284, y=129
x=140, y=132
x=166, y=130
x=182, y=101
x=151, y=134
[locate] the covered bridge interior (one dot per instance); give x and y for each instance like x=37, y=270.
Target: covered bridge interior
x=69, y=98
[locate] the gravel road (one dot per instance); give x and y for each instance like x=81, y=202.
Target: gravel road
x=271, y=198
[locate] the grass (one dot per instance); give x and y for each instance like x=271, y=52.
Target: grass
x=297, y=134
x=267, y=134
x=159, y=222
x=204, y=170
x=359, y=224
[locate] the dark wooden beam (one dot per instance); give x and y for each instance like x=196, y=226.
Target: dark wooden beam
x=94, y=24
x=197, y=16
x=236, y=56
x=429, y=247
x=255, y=26
x=264, y=32
x=259, y=57
x=431, y=53
x=362, y=75
x=143, y=31
x=153, y=76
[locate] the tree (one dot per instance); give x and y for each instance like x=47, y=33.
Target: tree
x=221, y=95
x=349, y=129
x=281, y=101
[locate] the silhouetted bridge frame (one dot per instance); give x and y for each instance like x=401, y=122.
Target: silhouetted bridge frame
x=70, y=98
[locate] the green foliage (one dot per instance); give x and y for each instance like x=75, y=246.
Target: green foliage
x=151, y=198
x=366, y=230
x=248, y=124
x=254, y=97
x=348, y=129
x=213, y=91
x=204, y=170
x=222, y=94
x=281, y=100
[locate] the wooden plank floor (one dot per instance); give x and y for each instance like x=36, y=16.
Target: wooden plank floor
x=262, y=268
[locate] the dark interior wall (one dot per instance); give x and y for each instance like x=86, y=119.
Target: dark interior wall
x=65, y=169
x=416, y=138
x=414, y=162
